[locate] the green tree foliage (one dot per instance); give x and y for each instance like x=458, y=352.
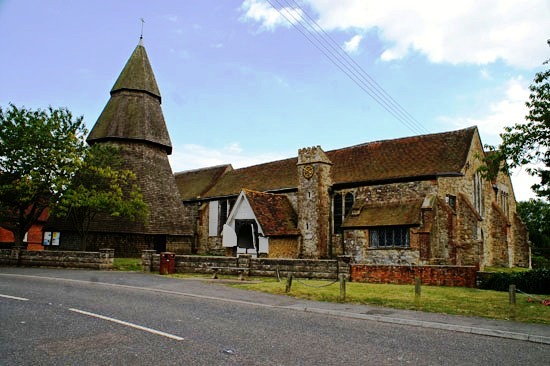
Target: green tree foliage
x=528, y=142
x=536, y=215
x=40, y=151
x=100, y=187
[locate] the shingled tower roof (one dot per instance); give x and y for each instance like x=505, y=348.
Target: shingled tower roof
x=133, y=111
x=133, y=122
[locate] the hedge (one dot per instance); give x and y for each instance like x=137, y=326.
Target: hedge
x=532, y=282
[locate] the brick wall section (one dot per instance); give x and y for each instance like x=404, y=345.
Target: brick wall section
x=462, y=276
x=66, y=259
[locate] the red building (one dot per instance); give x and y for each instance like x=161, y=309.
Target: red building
x=33, y=237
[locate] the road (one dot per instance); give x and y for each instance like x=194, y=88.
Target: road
x=59, y=321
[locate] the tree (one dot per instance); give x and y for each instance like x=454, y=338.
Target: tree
x=528, y=142
x=536, y=215
x=101, y=186
x=39, y=153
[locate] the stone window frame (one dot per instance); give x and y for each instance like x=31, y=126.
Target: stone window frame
x=402, y=231
x=450, y=200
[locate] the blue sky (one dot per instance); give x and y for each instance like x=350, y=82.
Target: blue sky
x=241, y=85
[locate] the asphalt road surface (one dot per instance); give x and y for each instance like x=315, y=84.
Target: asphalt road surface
x=63, y=322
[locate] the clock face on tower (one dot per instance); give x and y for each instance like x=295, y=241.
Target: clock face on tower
x=308, y=171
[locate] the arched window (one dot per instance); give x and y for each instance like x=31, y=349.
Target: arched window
x=337, y=218
x=478, y=196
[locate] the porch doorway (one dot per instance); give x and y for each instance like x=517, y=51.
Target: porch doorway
x=247, y=236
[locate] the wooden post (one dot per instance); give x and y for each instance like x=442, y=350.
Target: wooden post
x=512, y=294
x=342, y=278
x=278, y=274
x=417, y=287
x=288, y=283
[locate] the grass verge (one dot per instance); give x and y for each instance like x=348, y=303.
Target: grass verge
x=436, y=299
x=127, y=264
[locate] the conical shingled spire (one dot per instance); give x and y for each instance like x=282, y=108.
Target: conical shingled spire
x=133, y=111
x=137, y=74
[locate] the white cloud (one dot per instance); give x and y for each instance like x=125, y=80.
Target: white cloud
x=352, y=46
x=522, y=183
x=262, y=12
x=191, y=156
x=468, y=31
x=506, y=111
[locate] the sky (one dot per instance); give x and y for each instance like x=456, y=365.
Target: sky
x=243, y=82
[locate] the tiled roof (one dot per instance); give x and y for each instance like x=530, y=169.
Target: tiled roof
x=409, y=157
x=264, y=177
x=193, y=184
x=273, y=212
x=133, y=112
x=407, y=213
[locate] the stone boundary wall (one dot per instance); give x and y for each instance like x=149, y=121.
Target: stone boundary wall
x=461, y=276
x=103, y=259
x=267, y=267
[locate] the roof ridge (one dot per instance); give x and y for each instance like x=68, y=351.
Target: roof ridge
x=403, y=138
x=203, y=169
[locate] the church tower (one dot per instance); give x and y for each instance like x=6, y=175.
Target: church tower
x=314, y=182
x=133, y=121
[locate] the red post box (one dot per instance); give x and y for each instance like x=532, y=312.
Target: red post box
x=167, y=263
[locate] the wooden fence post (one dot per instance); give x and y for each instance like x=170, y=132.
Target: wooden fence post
x=417, y=287
x=288, y=283
x=342, y=278
x=512, y=294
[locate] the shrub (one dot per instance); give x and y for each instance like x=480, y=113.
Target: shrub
x=538, y=261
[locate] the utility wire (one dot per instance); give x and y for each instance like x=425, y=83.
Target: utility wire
x=358, y=68
x=319, y=38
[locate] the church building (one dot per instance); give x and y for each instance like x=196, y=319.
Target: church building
x=411, y=201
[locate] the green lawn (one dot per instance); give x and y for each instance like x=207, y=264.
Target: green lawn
x=437, y=299
x=127, y=264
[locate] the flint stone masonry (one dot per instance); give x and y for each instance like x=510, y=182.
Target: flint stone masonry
x=304, y=268
x=66, y=259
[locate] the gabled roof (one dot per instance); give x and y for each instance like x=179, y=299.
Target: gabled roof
x=273, y=212
x=404, y=158
x=409, y=157
x=391, y=214
x=192, y=184
x=133, y=112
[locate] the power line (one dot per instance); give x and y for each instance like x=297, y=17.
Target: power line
x=362, y=71
x=319, y=38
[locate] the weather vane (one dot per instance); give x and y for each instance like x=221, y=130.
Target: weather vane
x=142, y=22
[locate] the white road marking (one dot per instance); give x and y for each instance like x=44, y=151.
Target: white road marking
x=14, y=297
x=157, y=332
